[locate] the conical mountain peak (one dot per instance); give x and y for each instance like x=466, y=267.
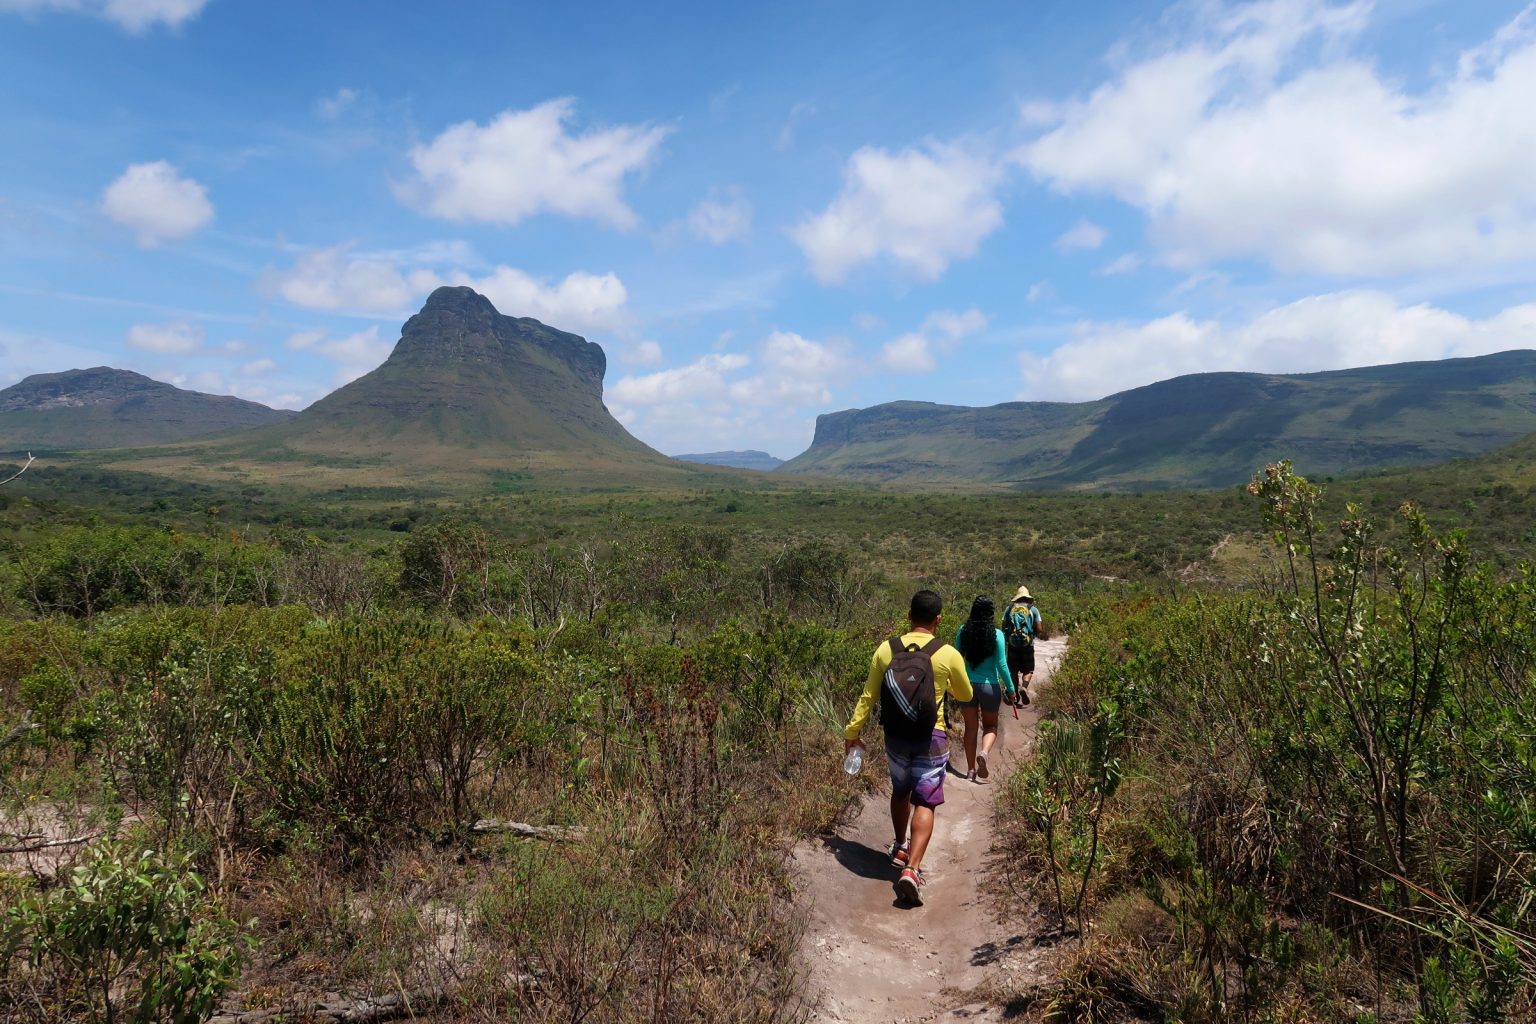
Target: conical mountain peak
x=464, y=378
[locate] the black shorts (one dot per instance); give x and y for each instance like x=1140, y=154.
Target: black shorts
x=1021, y=661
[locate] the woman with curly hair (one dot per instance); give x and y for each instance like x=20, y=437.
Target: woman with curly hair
x=980, y=642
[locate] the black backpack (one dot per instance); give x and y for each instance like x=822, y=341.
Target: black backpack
x=909, y=708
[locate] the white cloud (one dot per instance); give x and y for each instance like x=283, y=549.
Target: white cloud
x=1325, y=332
x=796, y=372
x=134, y=15
x=646, y=353
x=333, y=106
x=714, y=402
x=337, y=278
x=578, y=302
x=1125, y=263
x=1039, y=292
x=354, y=354
x=159, y=204
x=922, y=208
x=525, y=162
x=720, y=221
x=701, y=378
x=258, y=368
x=1085, y=234
x=916, y=351
x=178, y=338
x=1261, y=134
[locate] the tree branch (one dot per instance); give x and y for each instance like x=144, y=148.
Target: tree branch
x=30, y=459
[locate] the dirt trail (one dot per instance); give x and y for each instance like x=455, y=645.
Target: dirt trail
x=874, y=961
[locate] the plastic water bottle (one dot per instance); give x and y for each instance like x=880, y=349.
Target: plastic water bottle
x=854, y=761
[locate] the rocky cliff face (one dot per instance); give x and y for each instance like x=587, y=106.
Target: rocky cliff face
x=1202, y=430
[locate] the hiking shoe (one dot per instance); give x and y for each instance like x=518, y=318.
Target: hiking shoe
x=909, y=886
x=897, y=851
x=982, y=774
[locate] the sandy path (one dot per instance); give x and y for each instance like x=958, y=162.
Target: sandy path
x=874, y=961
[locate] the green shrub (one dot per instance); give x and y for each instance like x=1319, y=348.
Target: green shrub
x=129, y=936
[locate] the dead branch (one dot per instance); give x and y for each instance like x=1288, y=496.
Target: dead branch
x=556, y=833
x=334, y=1009
x=19, y=730
x=49, y=844
x=30, y=459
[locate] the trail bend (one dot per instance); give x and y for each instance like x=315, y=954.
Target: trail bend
x=874, y=961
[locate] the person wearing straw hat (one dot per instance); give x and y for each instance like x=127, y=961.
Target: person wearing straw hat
x=1021, y=624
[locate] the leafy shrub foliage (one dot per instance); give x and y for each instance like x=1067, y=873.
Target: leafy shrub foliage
x=1340, y=749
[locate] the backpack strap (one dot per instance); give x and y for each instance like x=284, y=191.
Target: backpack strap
x=932, y=646
x=896, y=645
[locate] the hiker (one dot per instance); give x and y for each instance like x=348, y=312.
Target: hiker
x=1021, y=624
x=909, y=675
x=980, y=642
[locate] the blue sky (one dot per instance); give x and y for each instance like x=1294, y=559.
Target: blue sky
x=765, y=212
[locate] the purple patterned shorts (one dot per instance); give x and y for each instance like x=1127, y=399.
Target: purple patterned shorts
x=918, y=770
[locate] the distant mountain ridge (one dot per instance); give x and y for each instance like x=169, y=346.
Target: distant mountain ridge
x=103, y=407
x=1200, y=430
x=750, y=459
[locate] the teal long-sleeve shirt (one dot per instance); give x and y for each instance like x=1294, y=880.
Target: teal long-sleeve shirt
x=995, y=667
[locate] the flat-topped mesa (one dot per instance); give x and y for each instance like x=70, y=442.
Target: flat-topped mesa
x=460, y=327
x=1199, y=430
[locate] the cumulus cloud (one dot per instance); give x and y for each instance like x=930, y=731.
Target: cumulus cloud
x=718, y=221
x=578, y=302
x=157, y=203
x=337, y=278
x=917, y=351
x=340, y=279
x=525, y=162
x=732, y=398
x=258, y=368
x=646, y=353
x=703, y=377
x=1325, y=332
x=134, y=15
x=1085, y=234
x=1261, y=133
x=178, y=338
x=922, y=208
x=353, y=354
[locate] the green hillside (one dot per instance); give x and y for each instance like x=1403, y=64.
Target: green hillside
x=1202, y=430
x=107, y=408
x=468, y=398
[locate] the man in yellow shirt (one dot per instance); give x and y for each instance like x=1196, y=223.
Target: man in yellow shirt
x=917, y=752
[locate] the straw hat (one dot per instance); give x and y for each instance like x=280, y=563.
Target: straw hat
x=1022, y=595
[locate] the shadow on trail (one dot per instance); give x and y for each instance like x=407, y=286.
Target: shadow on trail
x=860, y=859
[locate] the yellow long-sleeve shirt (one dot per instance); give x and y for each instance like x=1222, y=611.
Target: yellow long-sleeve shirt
x=949, y=675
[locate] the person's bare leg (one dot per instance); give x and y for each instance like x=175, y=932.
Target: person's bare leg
x=1021, y=684
x=969, y=715
x=988, y=731
x=922, y=831
x=901, y=811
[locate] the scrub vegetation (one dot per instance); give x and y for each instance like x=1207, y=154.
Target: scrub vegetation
x=540, y=755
